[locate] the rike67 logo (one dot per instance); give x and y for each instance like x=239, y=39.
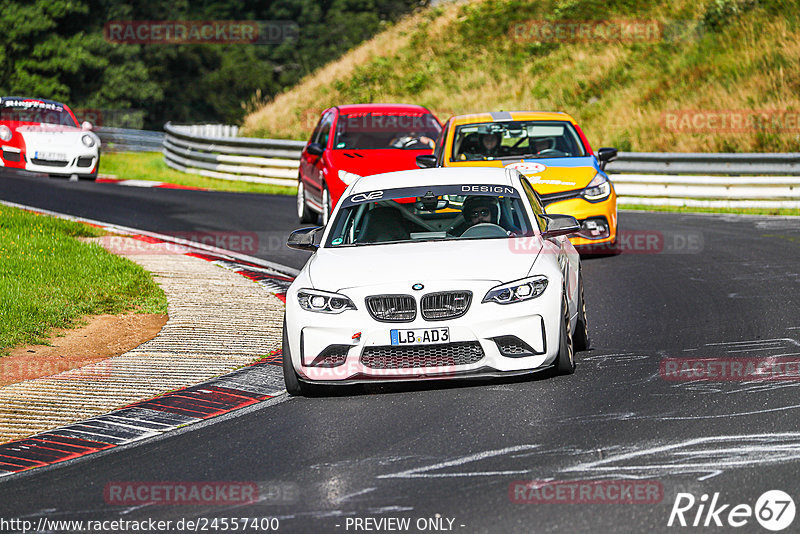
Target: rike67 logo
x=774, y=510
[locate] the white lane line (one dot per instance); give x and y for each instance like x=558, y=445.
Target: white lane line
x=423, y=472
x=139, y=183
x=756, y=342
x=343, y=498
x=751, y=350
x=766, y=449
x=726, y=415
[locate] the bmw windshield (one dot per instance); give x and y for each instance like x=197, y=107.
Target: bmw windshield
x=516, y=139
x=430, y=213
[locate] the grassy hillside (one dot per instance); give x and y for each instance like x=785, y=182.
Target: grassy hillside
x=712, y=55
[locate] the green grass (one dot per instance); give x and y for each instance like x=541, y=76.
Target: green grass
x=689, y=209
x=460, y=57
x=49, y=279
x=151, y=166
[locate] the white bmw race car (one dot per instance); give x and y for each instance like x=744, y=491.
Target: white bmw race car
x=44, y=136
x=434, y=274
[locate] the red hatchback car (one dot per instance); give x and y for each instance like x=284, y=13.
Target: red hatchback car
x=359, y=140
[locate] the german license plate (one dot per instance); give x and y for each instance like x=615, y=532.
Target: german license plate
x=421, y=336
x=50, y=156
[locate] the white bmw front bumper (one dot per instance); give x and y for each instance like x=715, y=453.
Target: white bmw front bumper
x=490, y=339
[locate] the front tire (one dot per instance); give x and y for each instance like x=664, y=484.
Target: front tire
x=293, y=384
x=581, y=339
x=565, y=361
x=303, y=213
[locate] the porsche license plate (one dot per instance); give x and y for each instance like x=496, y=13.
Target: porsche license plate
x=50, y=156
x=421, y=336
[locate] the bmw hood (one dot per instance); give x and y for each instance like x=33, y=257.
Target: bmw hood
x=499, y=260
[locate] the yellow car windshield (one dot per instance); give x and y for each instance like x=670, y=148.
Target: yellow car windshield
x=516, y=139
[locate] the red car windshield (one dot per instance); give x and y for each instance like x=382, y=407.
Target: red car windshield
x=376, y=130
x=35, y=112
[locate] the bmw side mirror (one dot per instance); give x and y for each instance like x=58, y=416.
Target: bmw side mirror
x=86, y=126
x=560, y=225
x=606, y=155
x=426, y=161
x=303, y=239
x=315, y=149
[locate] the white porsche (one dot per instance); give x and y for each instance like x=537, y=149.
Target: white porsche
x=43, y=136
x=434, y=274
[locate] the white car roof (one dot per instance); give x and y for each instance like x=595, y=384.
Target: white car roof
x=436, y=176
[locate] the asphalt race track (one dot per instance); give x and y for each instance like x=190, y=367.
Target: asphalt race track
x=218, y=216
x=689, y=286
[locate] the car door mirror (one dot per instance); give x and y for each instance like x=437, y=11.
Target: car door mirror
x=303, y=239
x=315, y=149
x=606, y=155
x=426, y=161
x=86, y=126
x=560, y=225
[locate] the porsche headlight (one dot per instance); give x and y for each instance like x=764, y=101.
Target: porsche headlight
x=323, y=301
x=5, y=133
x=598, y=189
x=525, y=289
x=348, y=177
x=88, y=140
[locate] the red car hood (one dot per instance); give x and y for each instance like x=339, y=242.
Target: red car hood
x=376, y=161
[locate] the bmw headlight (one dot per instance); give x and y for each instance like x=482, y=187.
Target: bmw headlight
x=323, y=301
x=348, y=177
x=598, y=189
x=5, y=133
x=525, y=289
x=88, y=140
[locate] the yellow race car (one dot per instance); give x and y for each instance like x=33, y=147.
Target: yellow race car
x=550, y=149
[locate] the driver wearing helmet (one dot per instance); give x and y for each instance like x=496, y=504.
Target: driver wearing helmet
x=490, y=144
x=481, y=209
x=542, y=144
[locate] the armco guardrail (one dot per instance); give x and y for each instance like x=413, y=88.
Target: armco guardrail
x=267, y=161
x=707, y=180
x=701, y=164
x=127, y=140
x=648, y=178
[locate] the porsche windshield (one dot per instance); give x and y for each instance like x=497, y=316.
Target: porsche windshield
x=411, y=131
x=35, y=112
x=516, y=139
x=430, y=213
